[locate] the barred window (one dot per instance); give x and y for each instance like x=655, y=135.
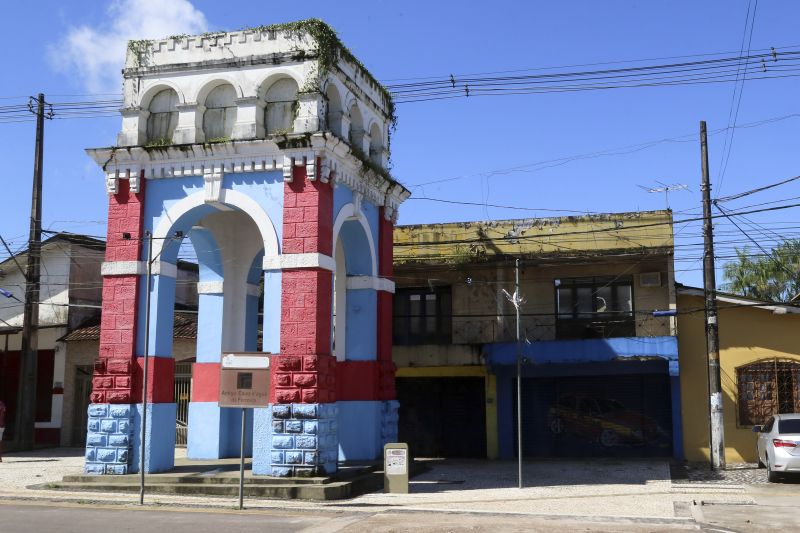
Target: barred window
x=767, y=388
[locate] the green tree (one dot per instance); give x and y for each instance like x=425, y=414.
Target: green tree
x=774, y=277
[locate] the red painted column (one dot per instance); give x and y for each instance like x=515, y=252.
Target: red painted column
x=115, y=369
x=385, y=311
x=305, y=370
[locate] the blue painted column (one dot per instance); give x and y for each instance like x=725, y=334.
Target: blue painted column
x=213, y=431
x=270, y=335
x=361, y=413
x=161, y=409
x=677, y=418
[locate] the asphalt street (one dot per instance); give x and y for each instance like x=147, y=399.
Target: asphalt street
x=26, y=518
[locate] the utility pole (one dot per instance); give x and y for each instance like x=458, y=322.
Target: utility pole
x=516, y=300
x=717, y=446
x=26, y=396
x=517, y=303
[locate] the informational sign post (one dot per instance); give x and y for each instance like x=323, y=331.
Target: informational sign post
x=396, y=465
x=244, y=382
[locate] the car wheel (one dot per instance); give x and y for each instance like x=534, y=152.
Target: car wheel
x=772, y=476
x=609, y=438
x=557, y=426
x=761, y=463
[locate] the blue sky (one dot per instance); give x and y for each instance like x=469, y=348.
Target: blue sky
x=76, y=46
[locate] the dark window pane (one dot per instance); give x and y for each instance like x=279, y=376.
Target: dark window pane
x=603, y=300
x=789, y=426
x=623, y=299
x=584, y=303
x=564, y=302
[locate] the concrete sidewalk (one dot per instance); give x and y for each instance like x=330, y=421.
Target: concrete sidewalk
x=589, y=488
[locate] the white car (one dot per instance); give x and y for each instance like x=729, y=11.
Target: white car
x=778, y=445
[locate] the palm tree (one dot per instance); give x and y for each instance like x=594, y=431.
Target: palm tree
x=774, y=277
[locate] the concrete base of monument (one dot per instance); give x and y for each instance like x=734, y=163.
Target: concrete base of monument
x=221, y=478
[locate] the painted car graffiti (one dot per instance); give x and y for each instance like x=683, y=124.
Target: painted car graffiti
x=602, y=420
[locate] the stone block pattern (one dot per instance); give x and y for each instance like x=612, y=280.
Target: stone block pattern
x=125, y=216
x=114, y=371
x=305, y=371
x=307, y=215
x=389, y=419
x=303, y=379
x=304, y=440
x=108, y=442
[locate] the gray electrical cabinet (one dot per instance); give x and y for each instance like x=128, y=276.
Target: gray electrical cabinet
x=396, y=465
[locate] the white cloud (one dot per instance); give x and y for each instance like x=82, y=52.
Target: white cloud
x=95, y=55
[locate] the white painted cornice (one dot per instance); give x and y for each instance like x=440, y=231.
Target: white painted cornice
x=293, y=261
x=374, y=283
x=337, y=164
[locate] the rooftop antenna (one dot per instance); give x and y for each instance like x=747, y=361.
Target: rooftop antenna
x=666, y=189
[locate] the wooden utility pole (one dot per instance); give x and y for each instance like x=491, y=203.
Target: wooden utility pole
x=26, y=396
x=717, y=445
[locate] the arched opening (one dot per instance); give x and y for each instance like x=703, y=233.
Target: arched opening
x=356, y=128
x=355, y=333
x=228, y=245
x=353, y=321
x=280, y=107
x=163, y=118
x=334, y=113
x=220, y=114
x=375, y=144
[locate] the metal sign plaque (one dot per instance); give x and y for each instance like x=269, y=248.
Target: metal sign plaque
x=244, y=380
x=396, y=462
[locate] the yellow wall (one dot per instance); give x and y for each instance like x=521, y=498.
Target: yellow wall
x=459, y=241
x=747, y=335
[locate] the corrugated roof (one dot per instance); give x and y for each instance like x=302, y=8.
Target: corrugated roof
x=185, y=327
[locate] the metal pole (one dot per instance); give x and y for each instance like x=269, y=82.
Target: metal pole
x=241, y=465
x=143, y=430
x=519, y=376
x=26, y=396
x=712, y=328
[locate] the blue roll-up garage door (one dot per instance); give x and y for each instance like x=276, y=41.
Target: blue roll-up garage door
x=596, y=416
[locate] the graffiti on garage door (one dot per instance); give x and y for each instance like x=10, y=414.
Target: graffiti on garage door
x=613, y=416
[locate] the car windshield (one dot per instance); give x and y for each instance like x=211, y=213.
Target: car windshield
x=607, y=405
x=791, y=425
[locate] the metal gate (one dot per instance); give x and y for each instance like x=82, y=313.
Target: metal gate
x=443, y=417
x=183, y=392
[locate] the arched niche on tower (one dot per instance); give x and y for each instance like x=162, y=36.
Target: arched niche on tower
x=376, y=148
x=356, y=136
x=219, y=116
x=280, y=106
x=163, y=117
x=335, y=113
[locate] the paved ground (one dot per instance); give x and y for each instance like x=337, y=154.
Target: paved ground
x=598, y=495
x=738, y=473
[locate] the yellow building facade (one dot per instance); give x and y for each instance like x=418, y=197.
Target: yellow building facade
x=760, y=369
x=455, y=330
